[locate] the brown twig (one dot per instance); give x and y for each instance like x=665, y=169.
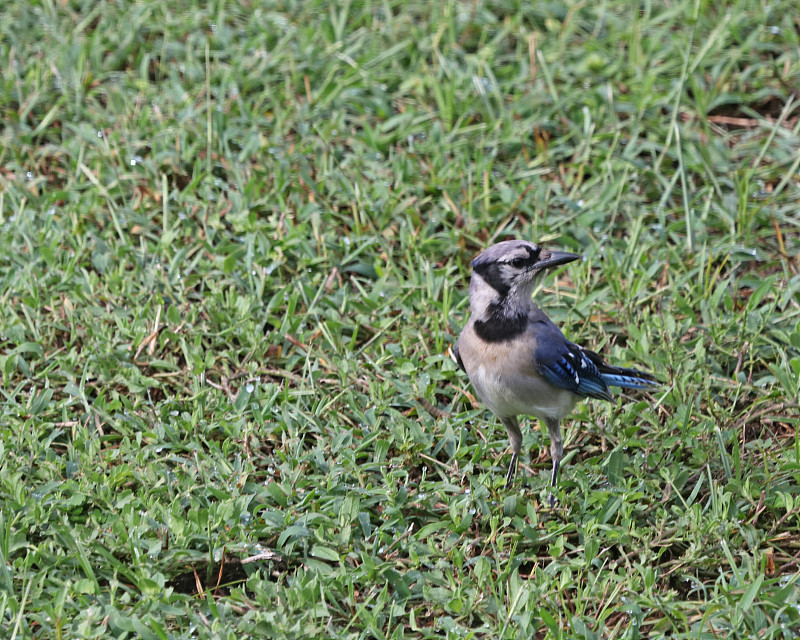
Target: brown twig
x=219, y=575
x=783, y=519
x=430, y=408
x=760, y=414
x=198, y=584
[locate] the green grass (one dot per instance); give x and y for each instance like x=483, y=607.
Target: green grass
x=234, y=248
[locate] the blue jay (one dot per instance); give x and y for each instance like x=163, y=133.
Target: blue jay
x=519, y=361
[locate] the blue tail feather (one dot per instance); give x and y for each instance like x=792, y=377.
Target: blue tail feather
x=622, y=377
x=628, y=381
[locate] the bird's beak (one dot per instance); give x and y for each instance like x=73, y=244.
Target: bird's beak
x=550, y=259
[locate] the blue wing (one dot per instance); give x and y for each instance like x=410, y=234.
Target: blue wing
x=583, y=372
x=567, y=366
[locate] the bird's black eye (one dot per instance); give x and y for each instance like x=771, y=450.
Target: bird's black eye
x=518, y=263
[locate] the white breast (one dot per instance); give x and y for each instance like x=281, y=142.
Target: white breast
x=506, y=380
x=508, y=393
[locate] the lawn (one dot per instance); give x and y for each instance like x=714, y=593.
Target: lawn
x=235, y=241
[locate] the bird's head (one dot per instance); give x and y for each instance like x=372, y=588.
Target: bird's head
x=511, y=267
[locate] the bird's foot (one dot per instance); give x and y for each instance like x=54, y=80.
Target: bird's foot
x=552, y=501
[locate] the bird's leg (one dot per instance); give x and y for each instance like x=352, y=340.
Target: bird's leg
x=556, y=453
x=515, y=437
